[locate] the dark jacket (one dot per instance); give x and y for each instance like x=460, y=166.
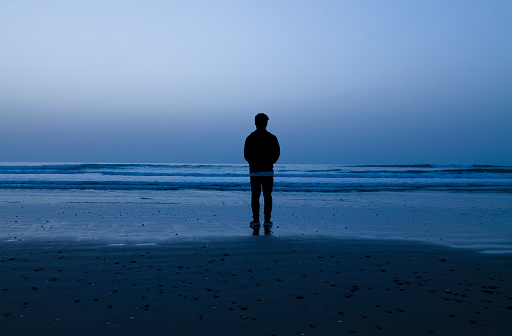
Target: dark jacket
x=261, y=151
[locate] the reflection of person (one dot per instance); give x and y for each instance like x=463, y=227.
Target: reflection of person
x=261, y=151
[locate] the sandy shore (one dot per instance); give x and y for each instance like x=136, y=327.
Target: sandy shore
x=87, y=263
x=261, y=285
x=476, y=221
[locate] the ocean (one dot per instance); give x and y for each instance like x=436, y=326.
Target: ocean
x=324, y=178
x=465, y=206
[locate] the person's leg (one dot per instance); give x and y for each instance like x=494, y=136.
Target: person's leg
x=268, y=183
x=255, y=197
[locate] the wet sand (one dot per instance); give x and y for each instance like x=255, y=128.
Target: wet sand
x=254, y=285
x=476, y=221
x=93, y=263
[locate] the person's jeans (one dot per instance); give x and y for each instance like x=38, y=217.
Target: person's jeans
x=257, y=182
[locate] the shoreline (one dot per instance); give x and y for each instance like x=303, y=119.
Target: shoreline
x=259, y=285
x=479, y=222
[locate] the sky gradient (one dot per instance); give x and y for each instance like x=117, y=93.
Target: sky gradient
x=349, y=82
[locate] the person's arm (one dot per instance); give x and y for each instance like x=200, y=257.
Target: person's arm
x=247, y=150
x=277, y=150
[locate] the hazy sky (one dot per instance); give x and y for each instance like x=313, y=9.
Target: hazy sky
x=180, y=81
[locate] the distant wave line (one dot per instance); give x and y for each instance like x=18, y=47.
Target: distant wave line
x=231, y=186
x=239, y=170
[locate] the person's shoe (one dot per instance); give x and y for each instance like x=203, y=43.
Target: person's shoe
x=255, y=225
x=267, y=225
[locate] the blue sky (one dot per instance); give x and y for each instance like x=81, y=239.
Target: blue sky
x=180, y=81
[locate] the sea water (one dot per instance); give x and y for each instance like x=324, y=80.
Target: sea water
x=234, y=177
x=466, y=206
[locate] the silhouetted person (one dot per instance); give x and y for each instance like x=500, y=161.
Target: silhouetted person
x=261, y=151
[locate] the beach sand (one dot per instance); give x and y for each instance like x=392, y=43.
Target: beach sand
x=254, y=286
x=82, y=267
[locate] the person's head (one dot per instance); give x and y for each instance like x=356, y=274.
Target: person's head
x=261, y=120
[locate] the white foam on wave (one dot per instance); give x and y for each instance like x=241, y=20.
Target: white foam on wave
x=497, y=251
